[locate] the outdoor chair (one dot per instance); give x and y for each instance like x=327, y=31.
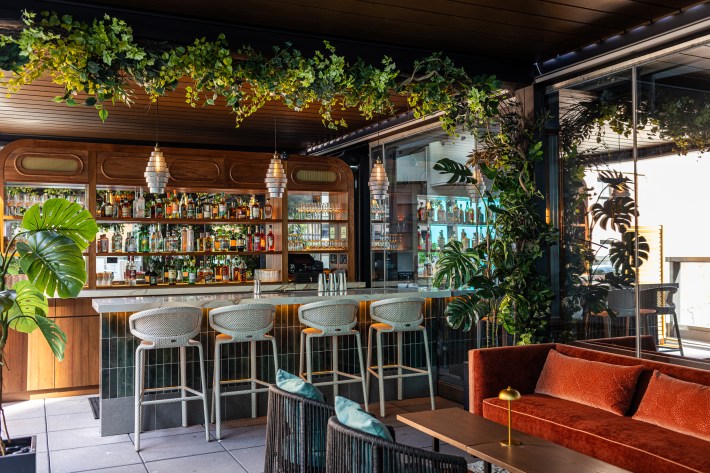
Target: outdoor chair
x=296, y=430
x=353, y=451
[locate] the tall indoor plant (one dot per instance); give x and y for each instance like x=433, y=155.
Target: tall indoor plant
x=48, y=249
x=502, y=269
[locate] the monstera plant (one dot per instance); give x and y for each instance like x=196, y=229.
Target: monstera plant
x=48, y=249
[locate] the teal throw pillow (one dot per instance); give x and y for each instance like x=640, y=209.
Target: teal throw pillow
x=295, y=385
x=350, y=413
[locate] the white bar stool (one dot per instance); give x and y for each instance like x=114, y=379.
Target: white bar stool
x=332, y=318
x=168, y=327
x=242, y=323
x=397, y=315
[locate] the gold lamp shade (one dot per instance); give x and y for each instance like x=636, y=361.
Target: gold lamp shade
x=275, y=178
x=509, y=395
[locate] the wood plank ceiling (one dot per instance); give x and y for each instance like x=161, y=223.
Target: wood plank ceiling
x=483, y=35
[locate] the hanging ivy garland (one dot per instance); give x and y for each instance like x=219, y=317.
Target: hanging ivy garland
x=100, y=62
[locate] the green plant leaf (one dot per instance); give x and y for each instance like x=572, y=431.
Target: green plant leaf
x=617, y=213
x=460, y=173
x=455, y=266
x=466, y=310
x=53, y=263
x=29, y=304
x=7, y=299
x=56, y=339
x=63, y=217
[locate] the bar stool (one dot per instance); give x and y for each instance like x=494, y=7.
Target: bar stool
x=171, y=327
x=244, y=323
x=397, y=315
x=333, y=319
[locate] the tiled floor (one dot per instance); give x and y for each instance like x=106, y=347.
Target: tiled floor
x=69, y=441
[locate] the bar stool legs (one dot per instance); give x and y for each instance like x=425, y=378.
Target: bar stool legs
x=140, y=390
x=379, y=346
x=253, y=381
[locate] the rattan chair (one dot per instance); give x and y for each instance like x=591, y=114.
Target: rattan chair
x=171, y=327
x=296, y=430
x=398, y=315
x=659, y=297
x=332, y=319
x=244, y=323
x=352, y=451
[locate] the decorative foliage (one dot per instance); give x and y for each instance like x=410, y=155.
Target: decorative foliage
x=617, y=213
x=49, y=246
x=501, y=271
x=100, y=62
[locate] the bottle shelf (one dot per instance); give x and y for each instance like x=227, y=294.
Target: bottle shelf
x=191, y=253
x=12, y=217
x=122, y=285
x=462, y=224
x=189, y=221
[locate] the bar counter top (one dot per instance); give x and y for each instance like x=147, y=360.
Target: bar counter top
x=211, y=301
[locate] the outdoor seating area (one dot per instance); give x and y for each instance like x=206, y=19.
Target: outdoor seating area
x=352, y=236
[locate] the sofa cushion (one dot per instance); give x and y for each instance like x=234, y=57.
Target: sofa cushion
x=622, y=441
x=676, y=405
x=602, y=385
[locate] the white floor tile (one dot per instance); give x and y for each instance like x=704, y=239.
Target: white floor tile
x=163, y=448
x=93, y=458
x=219, y=462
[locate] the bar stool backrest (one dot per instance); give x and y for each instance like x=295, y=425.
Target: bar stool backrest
x=330, y=317
x=243, y=321
x=399, y=312
x=166, y=327
x=658, y=297
x=621, y=302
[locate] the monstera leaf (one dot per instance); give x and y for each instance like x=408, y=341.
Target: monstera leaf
x=455, y=265
x=63, y=217
x=460, y=173
x=617, y=213
x=29, y=304
x=615, y=179
x=53, y=263
x=466, y=310
x=622, y=254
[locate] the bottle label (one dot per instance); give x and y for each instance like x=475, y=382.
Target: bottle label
x=191, y=277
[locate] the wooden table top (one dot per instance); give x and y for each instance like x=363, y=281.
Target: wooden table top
x=481, y=438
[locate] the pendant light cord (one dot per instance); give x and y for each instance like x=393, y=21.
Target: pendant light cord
x=156, y=121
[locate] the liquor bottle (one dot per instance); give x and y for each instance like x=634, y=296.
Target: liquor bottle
x=185, y=270
x=240, y=210
x=183, y=207
x=456, y=213
x=215, y=208
x=208, y=242
x=449, y=211
x=250, y=240
x=242, y=271
x=144, y=245
x=465, y=241
x=222, y=208
x=235, y=270
x=462, y=214
x=254, y=209
x=429, y=213
x=440, y=241
x=192, y=272
x=103, y=243
x=100, y=202
x=241, y=242
x=108, y=207
x=199, y=208
x=226, y=270
x=420, y=212
x=159, y=209
x=168, y=207
x=217, y=270
x=257, y=239
x=116, y=241
x=208, y=272
x=152, y=276
x=233, y=209
x=131, y=271
x=190, y=245
x=481, y=216
x=176, y=205
x=452, y=236
x=420, y=241
x=440, y=213
x=139, y=205
x=217, y=243
x=268, y=210
x=270, y=240
x=207, y=209
x=172, y=273
x=183, y=239
x=233, y=241
x=470, y=215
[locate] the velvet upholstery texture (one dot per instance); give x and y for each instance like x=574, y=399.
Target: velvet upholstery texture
x=676, y=405
x=619, y=440
x=603, y=385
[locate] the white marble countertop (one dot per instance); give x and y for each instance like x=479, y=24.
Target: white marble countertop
x=201, y=289
x=211, y=301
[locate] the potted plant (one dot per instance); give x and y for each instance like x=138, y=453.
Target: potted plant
x=48, y=250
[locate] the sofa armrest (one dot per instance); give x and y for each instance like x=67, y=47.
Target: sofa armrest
x=493, y=369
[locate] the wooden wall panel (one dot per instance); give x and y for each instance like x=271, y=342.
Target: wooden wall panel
x=80, y=366
x=40, y=363
x=17, y=154
x=15, y=373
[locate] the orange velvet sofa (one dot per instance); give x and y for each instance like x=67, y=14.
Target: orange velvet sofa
x=620, y=440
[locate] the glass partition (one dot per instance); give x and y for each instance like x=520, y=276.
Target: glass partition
x=634, y=165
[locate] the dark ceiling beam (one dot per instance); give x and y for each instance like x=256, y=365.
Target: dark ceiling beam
x=176, y=29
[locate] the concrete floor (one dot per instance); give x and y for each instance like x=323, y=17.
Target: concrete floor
x=68, y=440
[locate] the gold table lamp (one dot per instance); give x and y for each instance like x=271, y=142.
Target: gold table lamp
x=509, y=395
